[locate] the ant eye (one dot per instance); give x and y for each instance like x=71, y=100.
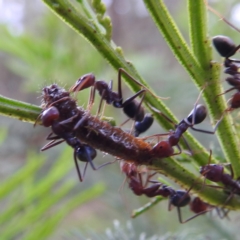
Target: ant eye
x=224, y=45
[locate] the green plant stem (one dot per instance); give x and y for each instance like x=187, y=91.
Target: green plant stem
x=20, y=110
x=204, y=72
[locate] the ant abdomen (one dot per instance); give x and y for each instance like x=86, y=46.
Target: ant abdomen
x=49, y=116
x=199, y=113
x=134, y=111
x=224, y=45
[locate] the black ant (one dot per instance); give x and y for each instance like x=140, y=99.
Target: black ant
x=226, y=48
x=130, y=106
x=177, y=198
x=196, y=116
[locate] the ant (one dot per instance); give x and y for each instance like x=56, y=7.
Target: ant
x=177, y=198
x=226, y=48
x=215, y=173
x=130, y=106
x=82, y=152
x=196, y=116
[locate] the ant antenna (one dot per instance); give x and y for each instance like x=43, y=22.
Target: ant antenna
x=220, y=16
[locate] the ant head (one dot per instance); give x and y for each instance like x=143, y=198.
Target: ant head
x=180, y=198
x=235, y=101
x=224, y=45
x=83, y=82
x=52, y=93
x=86, y=153
x=212, y=172
x=130, y=169
x=197, y=115
x=49, y=115
x=163, y=149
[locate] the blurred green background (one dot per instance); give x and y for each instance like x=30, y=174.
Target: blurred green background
x=40, y=196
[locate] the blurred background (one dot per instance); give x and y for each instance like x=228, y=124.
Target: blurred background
x=38, y=49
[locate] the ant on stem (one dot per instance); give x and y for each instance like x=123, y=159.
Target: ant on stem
x=215, y=173
x=227, y=48
x=177, y=198
x=130, y=106
x=196, y=116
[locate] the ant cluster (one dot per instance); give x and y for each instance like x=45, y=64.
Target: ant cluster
x=86, y=133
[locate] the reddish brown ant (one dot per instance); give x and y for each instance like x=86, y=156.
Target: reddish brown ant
x=215, y=173
x=130, y=106
x=177, y=198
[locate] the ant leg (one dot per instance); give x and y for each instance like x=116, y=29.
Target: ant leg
x=80, y=122
x=204, y=173
x=91, y=98
x=100, y=104
x=156, y=135
x=229, y=90
x=162, y=114
x=69, y=120
x=85, y=169
x=38, y=118
x=209, y=132
x=103, y=165
x=59, y=100
x=51, y=144
x=121, y=71
x=110, y=86
x=180, y=151
x=194, y=216
x=76, y=164
x=222, y=18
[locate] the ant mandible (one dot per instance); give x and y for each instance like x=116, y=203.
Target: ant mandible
x=130, y=106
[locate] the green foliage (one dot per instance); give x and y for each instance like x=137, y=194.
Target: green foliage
x=30, y=201
x=61, y=61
